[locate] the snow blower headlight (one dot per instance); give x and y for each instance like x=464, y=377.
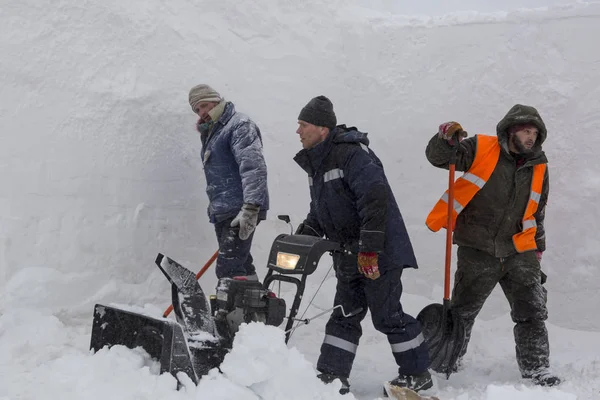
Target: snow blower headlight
x=287, y=260
x=298, y=254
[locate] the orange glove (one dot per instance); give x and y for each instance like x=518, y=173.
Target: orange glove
x=367, y=264
x=447, y=130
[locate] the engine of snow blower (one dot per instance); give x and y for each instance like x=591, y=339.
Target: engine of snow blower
x=203, y=331
x=240, y=301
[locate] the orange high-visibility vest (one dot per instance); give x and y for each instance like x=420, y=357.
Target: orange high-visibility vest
x=466, y=186
x=525, y=240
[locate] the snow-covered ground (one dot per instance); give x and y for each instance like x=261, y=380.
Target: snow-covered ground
x=100, y=171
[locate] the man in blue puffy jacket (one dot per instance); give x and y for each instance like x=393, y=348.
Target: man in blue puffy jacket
x=236, y=178
x=352, y=203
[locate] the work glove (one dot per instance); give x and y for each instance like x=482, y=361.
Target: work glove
x=246, y=219
x=448, y=130
x=367, y=264
x=538, y=255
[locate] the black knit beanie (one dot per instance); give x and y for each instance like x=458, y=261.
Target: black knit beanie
x=319, y=112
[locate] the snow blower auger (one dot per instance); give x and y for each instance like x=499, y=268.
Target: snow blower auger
x=204, y=330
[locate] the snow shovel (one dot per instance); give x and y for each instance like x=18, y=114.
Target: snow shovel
x=443, y=330
x=198, y=275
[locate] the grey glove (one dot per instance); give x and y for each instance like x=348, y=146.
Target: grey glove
x=246, y=219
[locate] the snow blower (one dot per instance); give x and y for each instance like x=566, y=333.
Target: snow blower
x=203, y=331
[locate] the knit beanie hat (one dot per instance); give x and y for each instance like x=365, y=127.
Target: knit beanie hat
x=319, y=112
x=202, y=92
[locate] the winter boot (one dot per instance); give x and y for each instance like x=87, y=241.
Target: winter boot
x=416, y=382
x=328, y=378
x=543, y=377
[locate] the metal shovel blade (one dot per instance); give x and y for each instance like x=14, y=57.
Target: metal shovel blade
x=444, y=334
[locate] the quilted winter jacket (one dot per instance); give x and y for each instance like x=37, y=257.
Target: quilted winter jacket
x=234, y=166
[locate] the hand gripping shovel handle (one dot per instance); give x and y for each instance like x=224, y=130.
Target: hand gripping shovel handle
x=198, y=275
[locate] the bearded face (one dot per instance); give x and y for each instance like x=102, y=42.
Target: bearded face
x=523, y=140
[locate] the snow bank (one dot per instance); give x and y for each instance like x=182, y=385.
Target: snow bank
x=100, y=169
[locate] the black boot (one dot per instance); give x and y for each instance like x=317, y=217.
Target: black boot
x=543, y=377
x=328, y=378
x=417, y=382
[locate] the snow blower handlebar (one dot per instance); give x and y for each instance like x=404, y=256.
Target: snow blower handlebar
x=292, y=259
x=286, y=219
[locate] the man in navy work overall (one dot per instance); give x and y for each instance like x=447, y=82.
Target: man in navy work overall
x=352, y=203
x=236, y=179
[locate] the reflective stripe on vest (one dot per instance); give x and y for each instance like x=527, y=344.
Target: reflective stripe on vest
x=525, y=240
x=466, y=186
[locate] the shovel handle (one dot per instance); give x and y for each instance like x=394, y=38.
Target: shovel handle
x=198, y=275
x=449, y=224
x=449, y=230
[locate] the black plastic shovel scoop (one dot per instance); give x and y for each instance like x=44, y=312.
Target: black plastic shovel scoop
x=443, y=330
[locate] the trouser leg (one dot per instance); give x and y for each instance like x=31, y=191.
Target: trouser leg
x=523, y=288
x=402, y=330
x=477, y=274
x=234, y=257
x=342, y=334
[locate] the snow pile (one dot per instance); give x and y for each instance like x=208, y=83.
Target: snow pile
x=42, y=358
x=261, y=361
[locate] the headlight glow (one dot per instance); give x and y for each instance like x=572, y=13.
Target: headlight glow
x=287, y=260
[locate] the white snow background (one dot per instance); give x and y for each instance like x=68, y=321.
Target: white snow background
x=100, y=171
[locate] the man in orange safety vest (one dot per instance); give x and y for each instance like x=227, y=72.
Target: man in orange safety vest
x=498, y=219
